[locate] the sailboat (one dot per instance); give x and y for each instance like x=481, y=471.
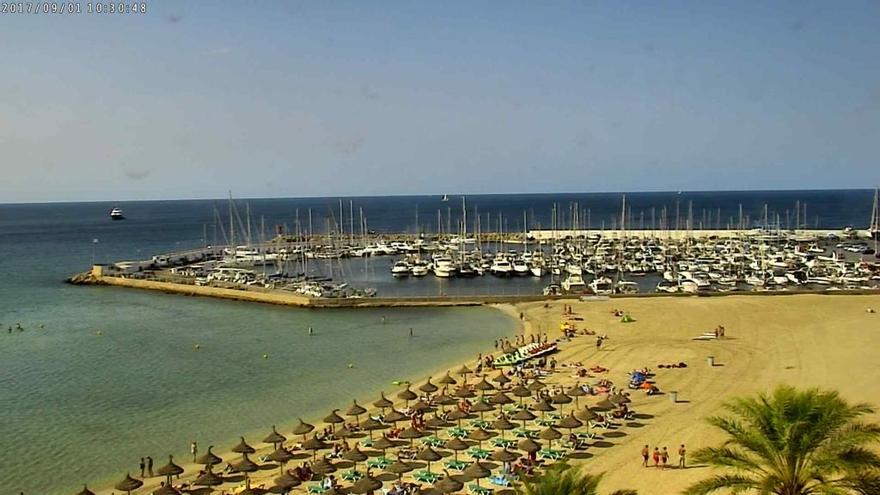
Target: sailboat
x=874, y=228
x=445, y=198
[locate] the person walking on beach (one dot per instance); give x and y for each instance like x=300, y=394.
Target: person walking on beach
x=150, y=466
x=656, y=457
x=194, y=450
x=664, y=457
x=681, y=455
x=143, y=466
x=598, y=342
x=646, y=453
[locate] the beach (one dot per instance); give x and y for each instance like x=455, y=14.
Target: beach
x=802, y=340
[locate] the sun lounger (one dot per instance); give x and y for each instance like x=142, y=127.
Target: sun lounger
x=500, y=480
x=455, y=465
x=479, y=490
x=379, y=463
x=317, y=488
x=502, y=442
x=426, y=477
x=352, y=475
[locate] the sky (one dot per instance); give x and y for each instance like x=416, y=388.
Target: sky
x=325, y=98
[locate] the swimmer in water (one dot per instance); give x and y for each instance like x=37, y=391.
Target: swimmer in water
x=311, y=331
x=410, y=332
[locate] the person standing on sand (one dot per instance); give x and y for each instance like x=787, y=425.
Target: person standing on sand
x=150, y=466
x=656, y=457
x=646, y=453
x=598, y=342
x=143, y=466
x=194, y=450
x=681, y=454
x=664, y=457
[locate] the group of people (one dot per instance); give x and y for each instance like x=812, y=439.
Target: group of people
x=146, y=467
x=661, y=457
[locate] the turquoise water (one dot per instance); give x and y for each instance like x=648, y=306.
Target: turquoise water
x=78, y=406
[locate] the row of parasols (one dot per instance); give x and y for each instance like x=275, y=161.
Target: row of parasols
x=491, y=399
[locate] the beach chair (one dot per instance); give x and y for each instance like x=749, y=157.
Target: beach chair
x=479, y=490
x=352, y=475
x=455, y=465
x=500, y=480
x=426, y=477
x=317, y=488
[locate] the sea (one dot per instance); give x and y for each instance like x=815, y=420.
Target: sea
x=97, y=377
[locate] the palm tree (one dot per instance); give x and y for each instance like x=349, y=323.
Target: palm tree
x=792, y=442
x=561, y=479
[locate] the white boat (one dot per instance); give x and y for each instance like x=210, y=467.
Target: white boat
x=116, y=214
x=401, y=269
x=627, y=287
x=501, y=267
x=444, y=267
x=420, y=269
x=574, y=283
x=520, y=267
x=602, y=286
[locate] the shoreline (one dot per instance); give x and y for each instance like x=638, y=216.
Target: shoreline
x=366, y=399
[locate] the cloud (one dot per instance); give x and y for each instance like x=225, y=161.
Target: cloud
x=137, y=174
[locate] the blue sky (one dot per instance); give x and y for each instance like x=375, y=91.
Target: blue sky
x=361, y=98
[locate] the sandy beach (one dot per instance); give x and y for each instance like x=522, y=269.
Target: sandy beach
x=803, y=340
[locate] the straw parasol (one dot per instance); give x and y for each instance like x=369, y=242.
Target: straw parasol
x=445, y=400
x=536, y=385
x=274, y=438
x=303, y=429
x=86, y=491
x=464, y=371
x=502, y=424
x=323, y=466
x=456, y=445
x=394, y=416
x=399, y=468
x=333, y=419
x=169, y=470
x=410, y=433
x=457, y=415
x=482, y=407
x=314, y=444
x=209, y=458
x=355, y=410
x=251, y=490
x=245, y=465
x=367, y=484
x=370, y=425
x=436, y=422
x=447, y=380
x=383, y=403
x=355, y=455
x=464, y=392
x=528, y=445
x=287, y=481
x=341, y=433
x=576, y=391
x=428, y=387
x=383, y=443
x=544, y=407
x=550, y=434
x=407, y=395
x=618, y=399
x=243, y=448
x=448, y=484
x=569, y=422
x=480, y=435
x=166, y=490
x=523, y=415
x=587, y=414
x=208, y=478
x=504, y=455
x=281, y=456
x=484, y=386
x=428, y=455
x=604, y=405
x=521, y=391
x=560, y=398
x=419, y=405
x=501, y=379
x=128, y=484
x=500, y=399
x=477, y=471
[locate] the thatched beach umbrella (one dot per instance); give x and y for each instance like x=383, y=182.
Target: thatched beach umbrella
x=456, y=445
x=448, y=484
x=287, y=481
x=576, y=392
x=209, y=458
x=561, y=398
x=504, y=455
x=208, y=478
x=243, y=447
x=128, y=484
x=502, y=424
x=245, y=465
x=303, y=429
x=355, y=410
x=569, y=422
x=419, y=405
x=447, y=380
x=536, y=385
x=333, y=419
x=550, y=434
x=323, y=466
x=355, y=455
x=464, y=392
x=410, y=434
x=383, y=444
x=281, y=456
x=85, y=491
x=399, y=468
x=477, y=471
x=251, y=490
x=521, y=391
x=367, y=484
x=501, y=379
x=604, y=405
x=428, y=455
x=166, y=489
x=528, y=445
x=544, y=407
x=523, y=415
x=274, y=438
x=500, y=399
x=484, y=386
x=436, y=422
x=480, y=435
x=169, y=470
x=407, y=395
x=428, y=387
x=395, y=416
x=482, y=407
x=457, y=415
x=587, y=414
x=370, y=425
x=383, y=403
x=618, y=399
x=341, y=433
x=445, y=400
x=314, y=444
x=464, y=371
